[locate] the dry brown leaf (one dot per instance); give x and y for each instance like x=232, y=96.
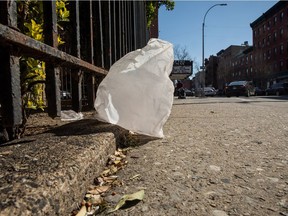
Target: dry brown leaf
x=96, y=200
x=128, y=197
x=113, y=169
x=99, y=190
x=135, y=177
x=105, y=172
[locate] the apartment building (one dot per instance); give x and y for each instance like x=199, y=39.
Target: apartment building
x=232, y=64
x=211, y=67
x=270, y=45
x=264, y=63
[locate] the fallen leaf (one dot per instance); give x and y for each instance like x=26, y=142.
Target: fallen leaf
x=138, y=196
x=135, y=176
x=105, y=172
x=99, y=190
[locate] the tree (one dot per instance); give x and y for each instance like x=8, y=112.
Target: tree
x=181, y=53
x=152, y=6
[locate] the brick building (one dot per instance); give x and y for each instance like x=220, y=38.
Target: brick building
x=211, y=71
x=270, y=45
x=264, y=63
x=232, y=64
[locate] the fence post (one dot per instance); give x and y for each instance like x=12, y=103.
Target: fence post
x=10, y=88
x=77, y=74
x=52, y=86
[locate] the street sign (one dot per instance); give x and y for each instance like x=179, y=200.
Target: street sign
x=181, y=69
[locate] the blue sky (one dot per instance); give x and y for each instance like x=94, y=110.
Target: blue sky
x=224, y=25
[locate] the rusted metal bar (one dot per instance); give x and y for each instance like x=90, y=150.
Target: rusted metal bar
x=44, y=52
x=119, y=30
x=110, y=34
x=91, y=91
x=10, y=99
x=124, y=25
x=8, y=13
x=134, y=23
x=129, y=40
x=105, y=5
x=52, y=87
x=101, y=34
x=77, y=74
x=113, y=29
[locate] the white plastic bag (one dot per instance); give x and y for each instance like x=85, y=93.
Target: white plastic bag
x=70, y=115
x=137, y=93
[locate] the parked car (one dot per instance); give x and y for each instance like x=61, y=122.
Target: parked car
x=240, y=88
x=189, y=92
x=206, y=91
x=259, y=91
x=210, y=91
x=277, y=89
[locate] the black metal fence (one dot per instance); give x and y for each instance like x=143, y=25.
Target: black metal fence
x=101, y=32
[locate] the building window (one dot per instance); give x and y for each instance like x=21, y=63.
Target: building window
x=264, y=27
x=281, y=16
x=251, y=70
x=275, y=20
x=281, y=49
x=255, y=33
x=275, y=36
x=275, y=50
x=281, y=65
x=275, y=66
x=268, y=40
x=281, y=32
x=269, y=54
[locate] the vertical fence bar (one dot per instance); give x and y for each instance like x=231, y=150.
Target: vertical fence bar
x=119, y=32
x=77, y=74
x=134, y=20
x=52, y=86
x=101, y=33
x=10, y=99
x=91, y=91
x=124, y=24
x=114, y=35
x=110, y=35
x=130, y=32
x=106, y=33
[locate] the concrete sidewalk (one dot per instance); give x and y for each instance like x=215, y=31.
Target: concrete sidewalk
x=219, y=157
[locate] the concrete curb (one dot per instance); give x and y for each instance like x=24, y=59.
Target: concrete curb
x=48, y=174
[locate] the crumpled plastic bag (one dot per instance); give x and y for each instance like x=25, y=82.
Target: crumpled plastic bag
x=137, y=93
x=71, y=115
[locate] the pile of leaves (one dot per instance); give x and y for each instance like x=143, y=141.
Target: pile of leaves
x=93, y=202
